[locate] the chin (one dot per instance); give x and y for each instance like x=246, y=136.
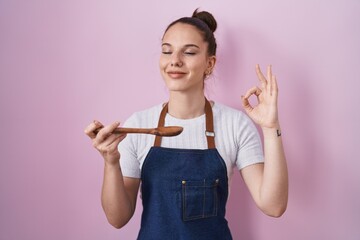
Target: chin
x=175, y=85
x=175, y=88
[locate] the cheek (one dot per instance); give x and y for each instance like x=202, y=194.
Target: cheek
x=199, y=67
x=162, y=67
x=162, y=63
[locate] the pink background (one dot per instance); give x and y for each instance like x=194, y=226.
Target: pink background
x=65, y=63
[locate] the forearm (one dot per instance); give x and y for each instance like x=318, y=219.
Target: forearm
x=114, y=198
x=274, y=185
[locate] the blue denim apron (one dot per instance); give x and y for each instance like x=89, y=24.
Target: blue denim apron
x=184, y=191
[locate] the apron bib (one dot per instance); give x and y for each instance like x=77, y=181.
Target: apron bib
x=184, y=191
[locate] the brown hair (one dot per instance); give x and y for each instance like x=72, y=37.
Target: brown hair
x=205, y=23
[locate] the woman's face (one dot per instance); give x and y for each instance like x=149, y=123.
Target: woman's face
x=184, y=60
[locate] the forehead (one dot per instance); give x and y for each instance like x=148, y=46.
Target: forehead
x=181, y=33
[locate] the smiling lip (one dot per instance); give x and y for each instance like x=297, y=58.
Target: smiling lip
x=176, y=74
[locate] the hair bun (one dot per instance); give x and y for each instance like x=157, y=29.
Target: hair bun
x=207, y=18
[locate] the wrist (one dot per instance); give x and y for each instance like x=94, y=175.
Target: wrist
x=274, y=131
x=115, y=164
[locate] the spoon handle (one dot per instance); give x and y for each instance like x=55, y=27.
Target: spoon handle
x=134, y=130
x=130, y=130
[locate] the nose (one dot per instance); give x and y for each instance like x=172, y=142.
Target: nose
x=175, y=60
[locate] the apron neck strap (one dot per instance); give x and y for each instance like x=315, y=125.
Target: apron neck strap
x=210, y=134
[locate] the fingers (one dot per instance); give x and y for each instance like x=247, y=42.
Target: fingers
x=275, y=89
x=246, y=104
x=269, y=79
x=254, y=90
x=269, y=72
x=109, y=144
x=266, y=83
x=89, y=130
x=245, y=99
x=261, y=77
x=105, y=132
x=113, y=145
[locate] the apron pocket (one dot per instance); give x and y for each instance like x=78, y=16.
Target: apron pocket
x=199, y=199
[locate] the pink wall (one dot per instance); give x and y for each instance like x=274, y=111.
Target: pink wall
x=64, y=63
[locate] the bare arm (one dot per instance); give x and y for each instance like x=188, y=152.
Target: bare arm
x=118, y=196
x=119, y=193
x=268, y=182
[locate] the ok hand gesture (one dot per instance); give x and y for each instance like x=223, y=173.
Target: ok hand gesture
x=265, y=113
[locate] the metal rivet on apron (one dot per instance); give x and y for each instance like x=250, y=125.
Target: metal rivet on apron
x=209, y=134
x=217, y=181
x=183, y=182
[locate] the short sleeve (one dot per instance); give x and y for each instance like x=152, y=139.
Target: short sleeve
x=249, y=143
x=129, y=162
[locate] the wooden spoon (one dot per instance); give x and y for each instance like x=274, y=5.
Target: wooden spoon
x=160, y=131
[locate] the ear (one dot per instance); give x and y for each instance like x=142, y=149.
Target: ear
x=211, y=64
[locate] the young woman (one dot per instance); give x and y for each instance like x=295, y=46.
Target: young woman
x=185, y=179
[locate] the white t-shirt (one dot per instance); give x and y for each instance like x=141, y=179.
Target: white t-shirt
x=236, y=138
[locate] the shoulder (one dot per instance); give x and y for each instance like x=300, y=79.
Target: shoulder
x=144, y=118
x=233, y=122
x=222, y=111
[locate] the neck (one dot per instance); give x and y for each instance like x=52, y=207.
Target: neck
x=185, y=106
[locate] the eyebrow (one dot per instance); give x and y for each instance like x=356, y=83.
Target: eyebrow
x=186, y=45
